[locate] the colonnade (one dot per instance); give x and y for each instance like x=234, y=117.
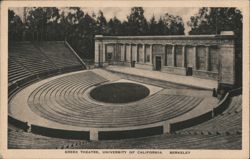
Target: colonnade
x=199, y=60
x=203, y=56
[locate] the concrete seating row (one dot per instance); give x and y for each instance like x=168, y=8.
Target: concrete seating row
x=27, y=63
x=24, y=140
x=198, y=139
x=19, y=139
x=228, y=122
x=58, y=53
x=167, y=141
x=34, y=60
x=16, y=71
x=30, y=57
x=64, y=97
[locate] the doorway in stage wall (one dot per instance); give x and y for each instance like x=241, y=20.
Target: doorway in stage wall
x=158, y=63
x=189, y=71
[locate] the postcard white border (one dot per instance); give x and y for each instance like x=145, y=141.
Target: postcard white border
x=197, y=153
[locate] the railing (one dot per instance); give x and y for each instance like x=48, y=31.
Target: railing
x=85, y=66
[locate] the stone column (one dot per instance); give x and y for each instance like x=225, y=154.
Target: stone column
x=97, y=54
x=151, y=53
x=122, y=52
x=131, y=52
x=194, y=58
x=137, y=53
x=163, y=55
x=173, y=55
x=183, y=56
x=125, y=52
x=227, y=68
x=103, y=52
x=207, y=58
x=115, y=53
x=143, y=53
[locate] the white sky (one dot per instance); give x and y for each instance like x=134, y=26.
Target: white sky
x=122, y=13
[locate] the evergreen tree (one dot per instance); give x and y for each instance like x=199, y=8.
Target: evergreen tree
x=39, y=19
x=161, y=28
x=115, y=27
x=137, y=23
x=174, y=24
x=52, y=25
x=153, y=30
x=101, y=24
x=87, y=30
x=215, y=20
x=16, y=26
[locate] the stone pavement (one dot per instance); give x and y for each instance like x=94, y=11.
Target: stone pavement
x=184, y=80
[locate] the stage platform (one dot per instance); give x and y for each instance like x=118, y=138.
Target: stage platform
x=178, y=79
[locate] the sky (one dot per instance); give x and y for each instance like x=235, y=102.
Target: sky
x=122, y=12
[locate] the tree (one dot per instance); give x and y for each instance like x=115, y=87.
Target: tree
x=52, y=24
x=161, y=28
x=166, y=25
x=200, y=23
x=79, y=30
x=39, y=19
x=86, y=33
x=174, y=24
x=101, y=23
x=215, y=20
x=153, y=30
x=16, y=26
x=115, y=27
x=70, y=21
x=137, y=23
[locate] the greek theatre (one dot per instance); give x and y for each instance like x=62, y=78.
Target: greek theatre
x=202, y=56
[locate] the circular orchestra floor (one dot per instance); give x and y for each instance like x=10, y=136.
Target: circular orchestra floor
x=120, y=92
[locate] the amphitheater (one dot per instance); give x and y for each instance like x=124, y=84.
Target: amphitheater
x=57, y=102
